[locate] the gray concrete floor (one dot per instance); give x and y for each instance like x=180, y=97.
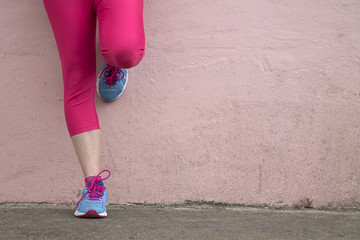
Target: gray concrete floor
x=146, y=222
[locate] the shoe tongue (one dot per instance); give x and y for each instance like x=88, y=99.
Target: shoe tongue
x=88, y=181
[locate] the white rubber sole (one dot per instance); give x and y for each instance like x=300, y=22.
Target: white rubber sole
x=98, y=82
x=90, y=213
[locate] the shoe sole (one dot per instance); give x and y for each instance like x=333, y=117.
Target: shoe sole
x=98, y=82
x=90, y=214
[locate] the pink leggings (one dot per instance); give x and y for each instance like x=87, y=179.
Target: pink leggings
x=122, y=41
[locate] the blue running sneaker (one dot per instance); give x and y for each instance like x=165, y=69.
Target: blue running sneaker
x=94, y=196
x=111, y=82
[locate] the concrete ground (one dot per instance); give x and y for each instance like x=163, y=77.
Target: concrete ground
x=46, y=221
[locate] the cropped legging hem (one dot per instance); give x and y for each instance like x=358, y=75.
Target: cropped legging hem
x=76, y=131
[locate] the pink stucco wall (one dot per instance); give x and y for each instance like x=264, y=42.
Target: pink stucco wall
x=253, y=101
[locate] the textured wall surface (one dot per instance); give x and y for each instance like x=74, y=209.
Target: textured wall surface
x=253, y=102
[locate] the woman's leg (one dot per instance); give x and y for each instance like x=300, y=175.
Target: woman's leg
x=87, y=147
x=74, y=26
x=121, y=31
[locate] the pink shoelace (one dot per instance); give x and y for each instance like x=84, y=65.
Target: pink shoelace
x=113, y=75
x=96, y=190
